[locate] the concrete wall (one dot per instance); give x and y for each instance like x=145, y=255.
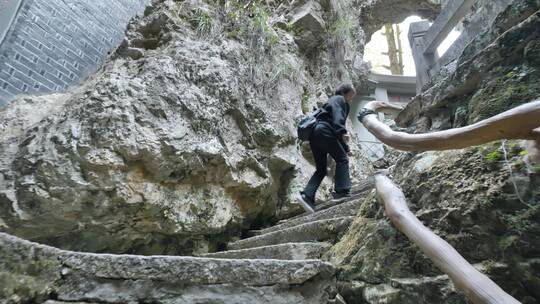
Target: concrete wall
x=53, y=44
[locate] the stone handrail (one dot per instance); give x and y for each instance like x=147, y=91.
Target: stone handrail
x=522, y=122
x=477, y=286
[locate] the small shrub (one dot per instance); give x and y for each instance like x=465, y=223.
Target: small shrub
x=342, y=27
x=260, y=22
x=202, y=21
x=305, y=101
x=494, y=156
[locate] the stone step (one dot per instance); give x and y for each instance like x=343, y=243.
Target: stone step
x=357, y=192
x=287, y=251
x=348, y=208
x=295, y=210
x=108, y=278
x=323, y=230
x=363, y=186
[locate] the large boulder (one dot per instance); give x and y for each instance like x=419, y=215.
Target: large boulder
x=309, y=26
x=186, y=135
x=164, y=153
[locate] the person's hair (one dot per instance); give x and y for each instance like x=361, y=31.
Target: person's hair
x=345, y=88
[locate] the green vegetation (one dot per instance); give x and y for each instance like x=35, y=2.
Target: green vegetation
x=305, y=101
x=494, y=156
x=251, y=19
x=202, y=21
x=342, y=27
x=512, y=86
x=251, y=22
x=507, y=242
x=260, y=22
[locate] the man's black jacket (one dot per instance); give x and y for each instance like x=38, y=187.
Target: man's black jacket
x=335, y=115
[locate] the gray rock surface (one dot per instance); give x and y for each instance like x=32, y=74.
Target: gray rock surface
x=162, y=154
x=497, y=71
x=186, y=135
x=345, y=209
x=287, y=251
x=437, y=289
x=308, y=24
x=322, y=230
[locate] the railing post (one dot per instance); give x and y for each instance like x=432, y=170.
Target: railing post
x=423, y=62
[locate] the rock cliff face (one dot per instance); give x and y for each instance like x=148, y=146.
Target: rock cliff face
x=484, y=205
x=483, y=200
x=187, y=134
x=186, y=137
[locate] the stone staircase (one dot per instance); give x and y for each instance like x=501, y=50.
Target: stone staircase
x=278, y=264
x=301, y=237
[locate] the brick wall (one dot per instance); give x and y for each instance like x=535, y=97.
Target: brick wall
x=54, y=44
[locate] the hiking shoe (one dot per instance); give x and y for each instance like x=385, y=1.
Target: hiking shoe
x=338, y=197
x=306, y=203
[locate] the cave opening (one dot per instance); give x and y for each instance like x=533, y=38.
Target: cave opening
x=389, y=52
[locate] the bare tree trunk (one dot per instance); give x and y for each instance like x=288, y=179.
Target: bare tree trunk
x=394, y=51
x=399, y=49
x=477, y=287
x=522, y=122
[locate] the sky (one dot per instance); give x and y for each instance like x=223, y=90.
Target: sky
x=378, y=45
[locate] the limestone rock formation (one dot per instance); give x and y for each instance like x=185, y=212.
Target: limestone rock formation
x=482, y=200
x=184, y=137
x=308, y=25
x=469, y=197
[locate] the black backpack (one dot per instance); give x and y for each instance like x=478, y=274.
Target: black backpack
x=307, y=124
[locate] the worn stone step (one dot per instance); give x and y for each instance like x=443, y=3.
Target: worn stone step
x=354, y=195
x=323, y=230
x=295, y=210
x=108, y=278
x=359, y=193
x=287, y=251
x=348, y=208
x=363, y=186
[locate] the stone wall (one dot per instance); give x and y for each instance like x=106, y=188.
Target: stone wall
x=469, y=17
x=53, y=44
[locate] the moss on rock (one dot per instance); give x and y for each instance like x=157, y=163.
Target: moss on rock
x=468, y=197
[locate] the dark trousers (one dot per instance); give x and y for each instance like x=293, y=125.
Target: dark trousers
x=324, y=142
